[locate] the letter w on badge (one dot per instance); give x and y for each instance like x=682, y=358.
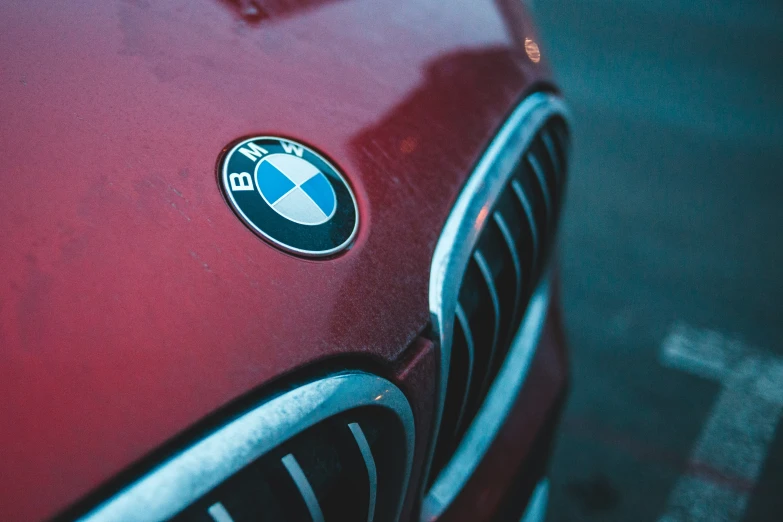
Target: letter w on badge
x=291, y=148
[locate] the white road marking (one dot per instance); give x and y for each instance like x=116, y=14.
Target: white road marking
x=735, y=439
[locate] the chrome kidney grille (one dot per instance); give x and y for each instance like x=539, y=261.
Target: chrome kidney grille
x=490, y=257
x=337, y=449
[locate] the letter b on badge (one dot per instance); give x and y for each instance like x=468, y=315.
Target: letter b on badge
x=241, y=181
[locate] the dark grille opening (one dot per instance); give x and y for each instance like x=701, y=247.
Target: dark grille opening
x=336, y=471
x=502, y=271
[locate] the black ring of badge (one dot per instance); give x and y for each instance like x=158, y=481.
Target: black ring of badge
x=306, y=240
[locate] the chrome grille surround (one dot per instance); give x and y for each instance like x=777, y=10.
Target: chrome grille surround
x=510, y=165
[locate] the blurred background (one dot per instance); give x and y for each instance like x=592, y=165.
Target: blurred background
x=671, y=259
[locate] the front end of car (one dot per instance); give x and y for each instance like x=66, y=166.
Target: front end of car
x=172, y=356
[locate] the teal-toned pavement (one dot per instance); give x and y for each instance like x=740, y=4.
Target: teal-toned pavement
x=674, y=216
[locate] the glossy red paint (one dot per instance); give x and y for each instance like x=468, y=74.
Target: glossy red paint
x=134, y=302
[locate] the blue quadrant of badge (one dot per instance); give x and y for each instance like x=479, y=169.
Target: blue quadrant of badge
x=321, y=192
x=274, y=184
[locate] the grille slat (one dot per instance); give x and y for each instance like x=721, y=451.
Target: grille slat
x=476, y=301
x=486, y=274
x=523, y=201
x=524, y=235
x=468, y=336
x=514, y=255
x=548, y=167
x=554, y=155
x=495, y=253
x=303, y=485
x=491, y=348
x=531, y=190
x=462, y=366
x=369, y=464
x=538, y=171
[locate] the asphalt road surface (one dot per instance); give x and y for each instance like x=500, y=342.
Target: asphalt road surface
x=672, y=259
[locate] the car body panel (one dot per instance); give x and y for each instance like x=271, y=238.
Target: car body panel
x=134, y=302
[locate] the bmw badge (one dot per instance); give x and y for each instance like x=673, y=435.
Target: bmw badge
x=290, y=195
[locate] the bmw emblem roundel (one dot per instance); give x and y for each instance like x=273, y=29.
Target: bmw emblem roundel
x=290, y=195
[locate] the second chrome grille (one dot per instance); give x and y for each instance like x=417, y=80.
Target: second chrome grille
x=500, y=264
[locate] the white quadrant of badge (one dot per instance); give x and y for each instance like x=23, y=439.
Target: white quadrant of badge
x=295, y=189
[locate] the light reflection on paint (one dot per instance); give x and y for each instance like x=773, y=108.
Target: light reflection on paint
x=532, y=50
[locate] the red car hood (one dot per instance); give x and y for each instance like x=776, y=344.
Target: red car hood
x=134, y=302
